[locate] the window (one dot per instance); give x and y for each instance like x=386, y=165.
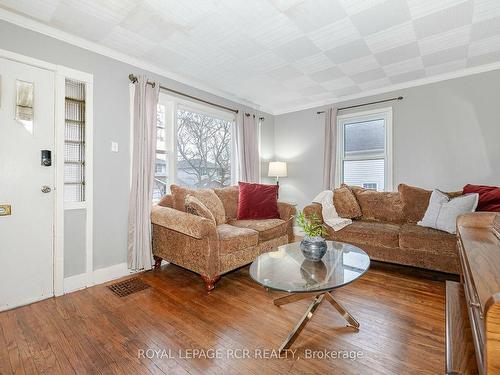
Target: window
x=365, y=149
x=74, y=142
x=194, y=146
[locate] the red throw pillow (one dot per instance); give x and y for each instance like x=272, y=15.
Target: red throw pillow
x=489, y=197
x=258, y=201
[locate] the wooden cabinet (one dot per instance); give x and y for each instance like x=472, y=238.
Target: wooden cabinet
x=473, y=305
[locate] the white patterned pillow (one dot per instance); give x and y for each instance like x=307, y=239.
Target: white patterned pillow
x=442, y=212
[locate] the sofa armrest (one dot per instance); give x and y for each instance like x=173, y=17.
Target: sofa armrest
x=286, y=210
x=183, y=222
x=313, y=208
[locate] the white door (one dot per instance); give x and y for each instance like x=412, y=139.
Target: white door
x=26, y=235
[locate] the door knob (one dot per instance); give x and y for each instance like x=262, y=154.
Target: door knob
x=46, y=189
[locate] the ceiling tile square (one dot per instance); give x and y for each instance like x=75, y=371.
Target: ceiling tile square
x=359, y=65
x=275, y=31
x=398, y=54
x=335, y=34
x=125, y=40
x=356, y=6
x=450, y=66
x=381, y=17
x=421, y=8
x=392, y=37
x=299, y=83
x=488, y=58
x=452, y=38
x=44, y=10
x=372, y=85
x=485, y=29
x=347, y=52
x=408, y=77
x=405, y=66
x=444, y=20
x=327, y=74
x=311, y=15
x=486, y=9
x=313, y=63
x=263, y=62
x=81, y=23
x=312, y=90
x=337, y=84
x=441, y=57
x=370, y=75
x=346, y=91
x=297, y=49
x=284, y=72
x=485, y=46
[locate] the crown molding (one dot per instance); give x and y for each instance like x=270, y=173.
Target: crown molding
x=41, y=28
x=400, y=86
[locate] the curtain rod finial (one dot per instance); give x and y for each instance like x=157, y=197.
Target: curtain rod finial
x=400, y=98
x=132, y=78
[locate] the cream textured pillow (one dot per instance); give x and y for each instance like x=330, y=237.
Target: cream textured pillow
x=195, y=207
x=442, y=211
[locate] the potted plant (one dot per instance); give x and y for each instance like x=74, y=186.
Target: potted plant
x=313, y=246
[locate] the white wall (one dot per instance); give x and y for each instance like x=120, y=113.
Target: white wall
x=445, y=134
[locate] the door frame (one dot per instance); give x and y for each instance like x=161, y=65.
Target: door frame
x=60, y=74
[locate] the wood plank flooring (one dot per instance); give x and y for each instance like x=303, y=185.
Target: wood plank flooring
x=94, y=331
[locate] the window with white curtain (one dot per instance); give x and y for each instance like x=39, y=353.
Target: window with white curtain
x=194, y=146
x=364, y=149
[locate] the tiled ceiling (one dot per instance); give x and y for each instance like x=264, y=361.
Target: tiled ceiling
x=284, y=54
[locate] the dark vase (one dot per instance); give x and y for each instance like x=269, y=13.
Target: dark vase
x=313, y=248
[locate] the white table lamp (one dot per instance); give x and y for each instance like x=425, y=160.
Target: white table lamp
x=277, y=169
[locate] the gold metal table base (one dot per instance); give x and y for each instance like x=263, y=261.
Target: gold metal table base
x=318, y=298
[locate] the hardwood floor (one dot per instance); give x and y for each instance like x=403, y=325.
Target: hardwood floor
x=93, y=331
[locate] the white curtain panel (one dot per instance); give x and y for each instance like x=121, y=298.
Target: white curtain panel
x=145, y=99
x=330, y=153
x=248, y=148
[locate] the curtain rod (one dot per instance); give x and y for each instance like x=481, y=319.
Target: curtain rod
x=133, y=79
x=362, y=105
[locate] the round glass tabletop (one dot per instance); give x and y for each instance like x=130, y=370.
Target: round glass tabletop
x=287, y=270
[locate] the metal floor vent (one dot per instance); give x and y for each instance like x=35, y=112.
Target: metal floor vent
x=128, y=287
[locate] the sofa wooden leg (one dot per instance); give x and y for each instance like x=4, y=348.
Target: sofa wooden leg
x=157, y=260
x=210, y=282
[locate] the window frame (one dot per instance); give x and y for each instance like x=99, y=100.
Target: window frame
x=361, y=116
x=172, y=105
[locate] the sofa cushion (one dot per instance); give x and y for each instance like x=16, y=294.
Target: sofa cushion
x=257, y=201
x=379, y=205
x=195, y=207
x=166, y=201
x=206, y=196
x=489, y=197
x=229, y=198
x=232, y=238
x=413, y=236
x=368, y=232
x=416, y=200
x=267, y=228
x=345, y=203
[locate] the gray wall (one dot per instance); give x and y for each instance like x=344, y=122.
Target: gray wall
x=111, y=123
x=445, y=135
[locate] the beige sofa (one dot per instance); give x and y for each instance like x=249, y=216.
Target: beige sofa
x=386, y=229
x=213, y=249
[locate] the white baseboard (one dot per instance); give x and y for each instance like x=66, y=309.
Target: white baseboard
x=74, y=283
x=99, y=276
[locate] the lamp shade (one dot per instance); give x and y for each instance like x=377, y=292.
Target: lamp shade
x=277, y=169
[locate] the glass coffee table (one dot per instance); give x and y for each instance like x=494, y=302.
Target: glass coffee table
x=287, y=270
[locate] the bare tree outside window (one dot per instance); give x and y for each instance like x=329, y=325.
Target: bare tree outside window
x=203, y=150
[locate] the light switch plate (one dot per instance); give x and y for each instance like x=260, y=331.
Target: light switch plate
x=114, y=146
